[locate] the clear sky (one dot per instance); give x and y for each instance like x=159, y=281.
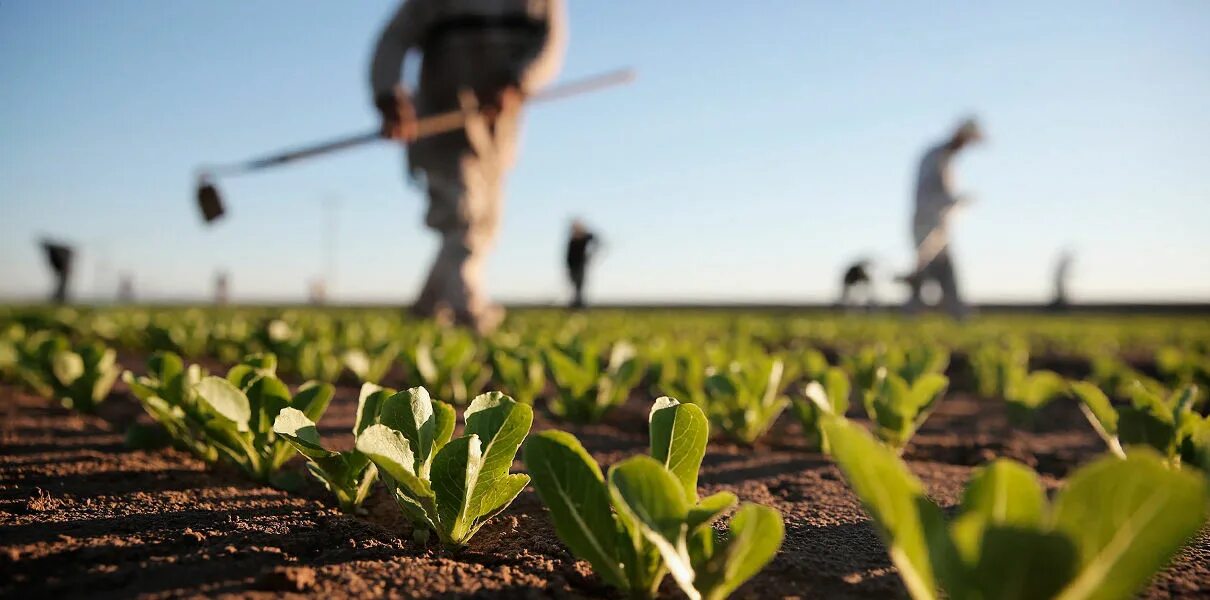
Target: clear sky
x=765, y=145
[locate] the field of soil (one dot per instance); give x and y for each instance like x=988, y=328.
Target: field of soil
x=83, y=515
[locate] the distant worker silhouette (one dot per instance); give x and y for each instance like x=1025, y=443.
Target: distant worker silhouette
x=856, y=288
x=1062, y=275
x=580, y=248
x=935, y=204
x=59, y=256
x=485, y=57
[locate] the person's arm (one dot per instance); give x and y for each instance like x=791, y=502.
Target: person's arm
x=402, y=33
x=548, y=61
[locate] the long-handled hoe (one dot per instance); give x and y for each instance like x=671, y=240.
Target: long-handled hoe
x=210, y=201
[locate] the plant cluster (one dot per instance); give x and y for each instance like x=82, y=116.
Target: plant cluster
x=1008, y=541
x=645, y=519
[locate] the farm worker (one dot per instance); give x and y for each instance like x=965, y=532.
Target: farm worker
x=484, y=57
x=1062, y=274
x=580, y=248
x=59, y=257
x=935, y=202
x=856, y=287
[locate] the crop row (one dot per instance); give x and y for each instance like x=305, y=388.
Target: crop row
x=1113, y=524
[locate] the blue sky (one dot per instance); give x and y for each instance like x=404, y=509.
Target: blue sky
x=762, y=148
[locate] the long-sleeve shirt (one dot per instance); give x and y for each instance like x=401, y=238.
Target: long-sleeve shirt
x=935, y=194
x=483, y=45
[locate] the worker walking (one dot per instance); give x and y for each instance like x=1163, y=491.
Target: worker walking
x=580, y=248
x=935, y=204
x=59, y=256
x=485, y=57
x=1062, y=275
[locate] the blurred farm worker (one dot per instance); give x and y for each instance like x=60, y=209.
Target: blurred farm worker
x=935, y=204
x=1062, y=275
x=580, y=248
x=856, y=288
x=59, y=256
x=483, y=57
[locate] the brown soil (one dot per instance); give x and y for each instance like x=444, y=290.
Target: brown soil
x=80, y=514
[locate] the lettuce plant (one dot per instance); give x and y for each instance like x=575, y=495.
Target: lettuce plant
x=898, y=408
x=317, y=360
x=682, y=375
x=449, y=363
x=349, y=475
x=237, y=414
x=370, y=366
x=645, y=519
x=1003, y=372
x=1165, y=424
x=828, y=395
x=1007, y=541
x=745, y=399
x=1028, y=393
x=80, y=377
x=451, y=487
x=996, y=367
x=167, y=394
x=521, y=373
x=586, y=389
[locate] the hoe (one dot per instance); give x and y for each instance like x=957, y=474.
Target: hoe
x=211, y=202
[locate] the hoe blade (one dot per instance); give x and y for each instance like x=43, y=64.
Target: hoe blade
x=209, y=201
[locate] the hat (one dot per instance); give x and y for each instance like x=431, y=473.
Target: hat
x=969, y=130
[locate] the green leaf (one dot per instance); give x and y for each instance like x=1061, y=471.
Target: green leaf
x=267, y=396
x=313, y=399
x=443, y=427
x=300, y=431
x=357, y=361
x=1097, y=408
x=1127, y=518
x=391, y=452
x=369, y=403
x=501, y=424
x=678, y=440
x=755, y=536
x=411, y=413
x=226, y=400
x=649, y=499
x=709, y=509
x=67, y=367
x=1005, y=493
x=1041, y=387
x=894, y=499
x=455, y=471
x=570, y=484
x=1018, y=564
x=1151, y=426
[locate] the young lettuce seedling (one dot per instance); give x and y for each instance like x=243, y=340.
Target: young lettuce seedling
x=238, y=414
x=1168, y=425
x=829, y=395
x=449, y=363
x=450, y=487
x=586, y=390
x=348, y=475
x=1112, y=526
x=167, y=394
x=1029, y=393
x=898, y=409
x=1003, y=372
x=521, y=373
x=371, y=366
x=80, y=378
x=645, y=520
x=744, y=400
